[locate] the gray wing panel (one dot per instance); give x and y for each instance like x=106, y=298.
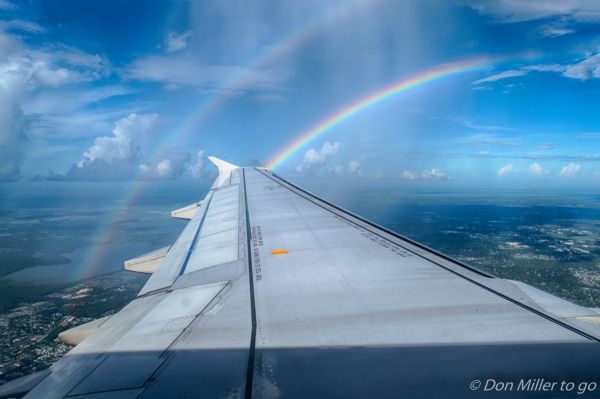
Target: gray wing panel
x=219, y=234
x=129, y=347
x=211, y=358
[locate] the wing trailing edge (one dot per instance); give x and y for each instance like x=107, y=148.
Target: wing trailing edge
x=147, y=263
x=75, y=335
x=187, y=212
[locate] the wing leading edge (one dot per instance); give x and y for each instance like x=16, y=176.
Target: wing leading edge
x=345, y=308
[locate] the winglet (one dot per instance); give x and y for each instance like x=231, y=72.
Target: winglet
x=223, y=166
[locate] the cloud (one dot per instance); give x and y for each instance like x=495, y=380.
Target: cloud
x=555, y=30
x=584, y=69
x=119, y=156
x=536, y=169
x=474, y=125
x=124, y=144
x=69, y=100
x=504, y=170
x=26, y=26
x=27, y=72
x=486, y=139
x=98, y=170
x=313, y=158
x=352, y=168
x=428, y=174
x=511, y=11
x=175, y=166
x=13, y=123
x=513, y=73
x=569, y=170
x=98, y=65
x=502, y=75
x=171, y=167
x=7, y=5
x=12, y=138
x=434, y=174
x=176, y=41
x=114, y=157
x=547, y=146
x=408, y=175
x=197, y=168
x=24, y=68
x=185, y=70
x=47, y=75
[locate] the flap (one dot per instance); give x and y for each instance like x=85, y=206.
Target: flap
x=147, y=263
x=186, y=212
x=75, y=335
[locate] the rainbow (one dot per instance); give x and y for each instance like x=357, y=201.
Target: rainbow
x=369, y=101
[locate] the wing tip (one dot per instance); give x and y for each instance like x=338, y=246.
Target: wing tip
x=223, y=166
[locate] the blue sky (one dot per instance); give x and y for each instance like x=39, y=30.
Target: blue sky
x=114, y=90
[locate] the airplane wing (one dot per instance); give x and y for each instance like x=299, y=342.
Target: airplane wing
x=272, y=292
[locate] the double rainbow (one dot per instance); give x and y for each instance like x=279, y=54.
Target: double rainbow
x=238, y=81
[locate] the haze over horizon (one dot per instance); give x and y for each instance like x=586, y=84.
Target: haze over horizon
x=145, y=90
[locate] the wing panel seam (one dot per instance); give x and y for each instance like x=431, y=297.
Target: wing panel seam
x=252, y=350
x=195, y=239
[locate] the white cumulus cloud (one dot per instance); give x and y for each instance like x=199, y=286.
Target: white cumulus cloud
x=434, y=174
x=172, y=166
x=352, y=168
x=408, y=175
x=427, y=174
x=569, y=170
x=119, y=156
x=536, y=169
x=313, y=158
x=125, y=142
x=175, y=166
x=504, y=170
